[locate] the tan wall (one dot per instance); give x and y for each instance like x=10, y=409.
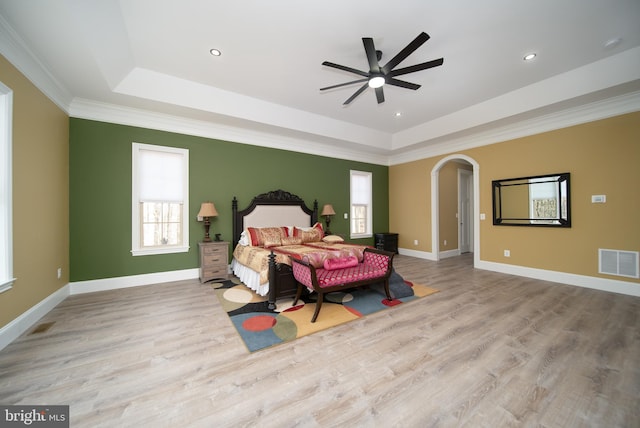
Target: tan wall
x=602, y=157
x=410, y=203
x=40, y=196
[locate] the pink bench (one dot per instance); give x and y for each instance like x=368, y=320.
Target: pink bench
x=375, y=267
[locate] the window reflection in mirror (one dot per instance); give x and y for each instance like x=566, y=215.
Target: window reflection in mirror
x=532, y=201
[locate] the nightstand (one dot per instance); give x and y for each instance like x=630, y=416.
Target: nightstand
x=387, y=242
x=214, y=260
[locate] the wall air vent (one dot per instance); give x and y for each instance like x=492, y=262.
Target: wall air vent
x=620, y=263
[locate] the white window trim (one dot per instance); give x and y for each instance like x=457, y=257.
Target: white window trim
x=6, y=184
x=369, y=232
x=136, y=248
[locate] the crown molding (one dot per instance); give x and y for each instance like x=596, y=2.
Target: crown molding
x=15, y=50
x=623, y=104
x=86, y=109
x=103, y=112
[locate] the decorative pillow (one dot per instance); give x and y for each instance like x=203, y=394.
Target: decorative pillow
x=291, y=240
x=340, y=263
x=272, y=235
x=272, y=241
x=311, y=234
x=332, y=239
x=258, y=235
x=253, y=235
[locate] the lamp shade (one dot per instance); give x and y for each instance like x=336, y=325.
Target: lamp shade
x=328, y=210
x=207, y=209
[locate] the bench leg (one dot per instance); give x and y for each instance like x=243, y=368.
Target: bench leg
x=298, y=294
x=318, y=306
x=386, y=290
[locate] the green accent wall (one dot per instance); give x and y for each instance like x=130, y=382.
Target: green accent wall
x=100, y=192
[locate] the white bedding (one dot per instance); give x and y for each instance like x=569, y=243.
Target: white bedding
x=250, y=278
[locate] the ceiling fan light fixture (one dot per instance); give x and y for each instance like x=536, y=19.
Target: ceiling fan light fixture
x=378, y=75
x=376, y=82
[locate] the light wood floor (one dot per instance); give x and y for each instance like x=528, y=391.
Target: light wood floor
x=488, y=350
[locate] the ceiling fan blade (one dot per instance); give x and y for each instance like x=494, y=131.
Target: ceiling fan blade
x=370, y=49
x=404, y=53
x=358, y=92
x=417, y=67
x=343, y=84
x=345, y=68
x=380, y=95
x=402, y=83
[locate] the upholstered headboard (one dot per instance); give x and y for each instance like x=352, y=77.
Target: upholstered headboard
x=275, y=208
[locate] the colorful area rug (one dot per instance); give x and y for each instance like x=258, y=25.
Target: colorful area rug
x=260, y=327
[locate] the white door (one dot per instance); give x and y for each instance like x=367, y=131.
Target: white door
x=465, y=215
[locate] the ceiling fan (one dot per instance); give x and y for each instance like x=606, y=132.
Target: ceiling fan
x=378, y=76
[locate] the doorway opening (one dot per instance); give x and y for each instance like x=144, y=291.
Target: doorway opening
x=468, y=207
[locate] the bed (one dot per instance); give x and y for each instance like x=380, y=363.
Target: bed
x=273, y=228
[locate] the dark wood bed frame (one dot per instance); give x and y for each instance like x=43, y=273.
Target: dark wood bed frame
x=281, y=280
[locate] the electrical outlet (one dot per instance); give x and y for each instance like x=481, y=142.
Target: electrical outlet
x=415, y=242
x=346, y=216
x=445, y=242
x=59, y=273
x=507, y=253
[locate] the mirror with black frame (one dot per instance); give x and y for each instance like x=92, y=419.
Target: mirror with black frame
x=541, y=200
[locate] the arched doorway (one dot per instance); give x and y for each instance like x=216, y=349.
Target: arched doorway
x=435, y=205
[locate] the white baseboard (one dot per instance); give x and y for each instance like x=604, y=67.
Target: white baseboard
x=427, y=255
x=90, y=286
x=449, y=253
x=597, y=283
x=24, y=322
x=415, y=253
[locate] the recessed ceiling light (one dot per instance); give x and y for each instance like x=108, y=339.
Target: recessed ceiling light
x=215, y=52
x=530, y=56
x=398, y=114
x=612, y=43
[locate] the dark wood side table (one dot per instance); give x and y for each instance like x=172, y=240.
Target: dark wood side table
x=387, y=242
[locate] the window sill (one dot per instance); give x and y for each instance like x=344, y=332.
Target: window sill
x=362, y=236
x=159, y=250
x=6, y=286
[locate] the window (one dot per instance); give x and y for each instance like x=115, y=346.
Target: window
x=160, y=200
x=361, y=205
x=6, y=200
